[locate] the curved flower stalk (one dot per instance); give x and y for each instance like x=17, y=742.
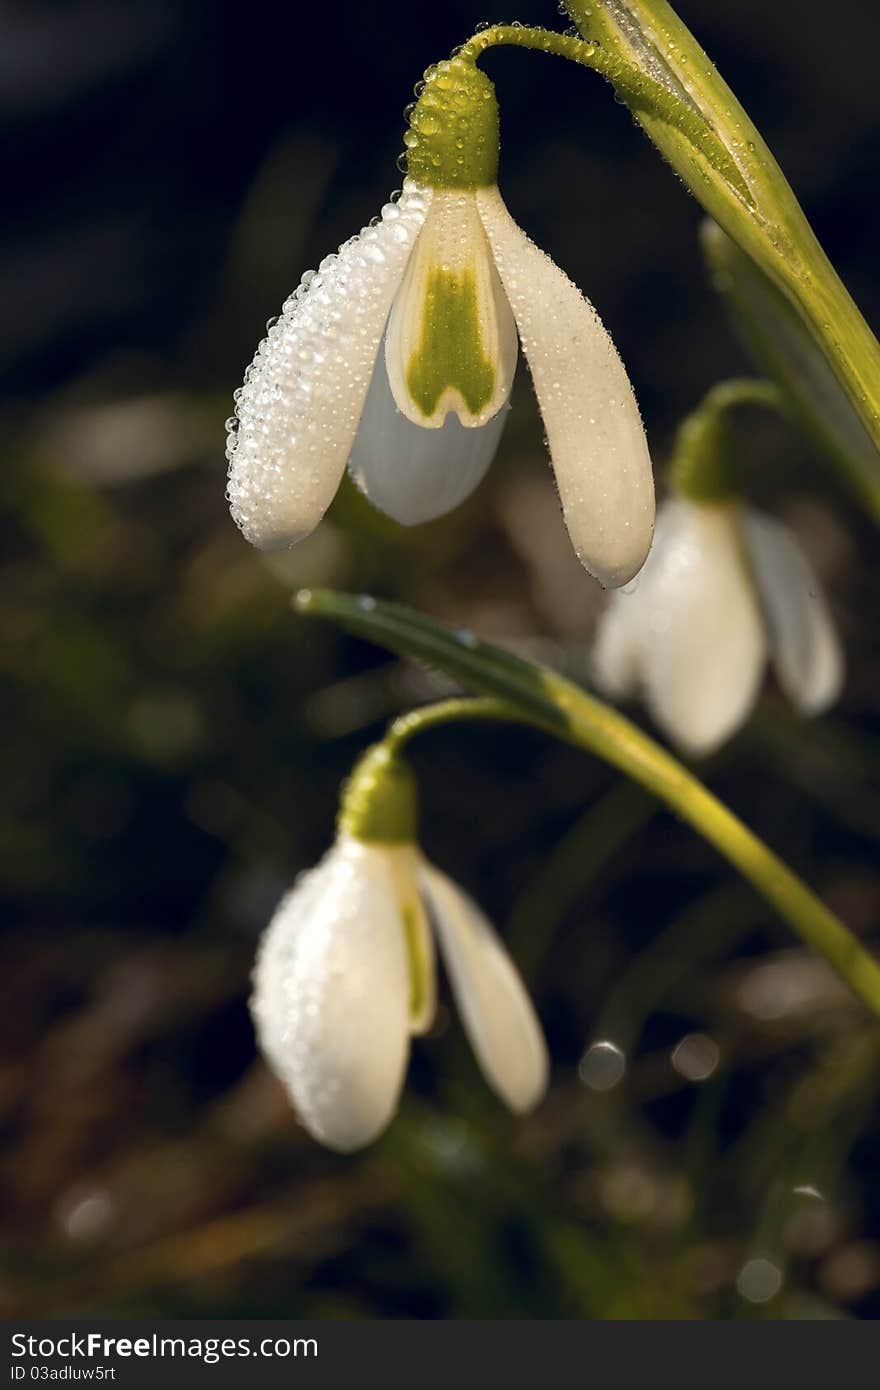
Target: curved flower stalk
x=523, y=692
x=397, y=358
x=668, y=81
x=345, y=972
x=724, y=588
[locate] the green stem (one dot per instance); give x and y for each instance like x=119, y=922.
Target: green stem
x=639, y=90
x=703, y=465
x=659, y=70
x=776, y=336
x=538, y=696
x=773, y=231
x=417, y=721
x=745, y=390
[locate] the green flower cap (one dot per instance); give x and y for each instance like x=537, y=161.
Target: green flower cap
x=379, y=802
x=452, y=140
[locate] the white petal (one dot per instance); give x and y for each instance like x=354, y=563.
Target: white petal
x=495, y=1008
x=331, y=995
x=615, y=658
x=804, y=645
x=451, y=341
x=701, y=631
x=299, y=408
x=617, y=655
x=411, y=473
x=597, y=443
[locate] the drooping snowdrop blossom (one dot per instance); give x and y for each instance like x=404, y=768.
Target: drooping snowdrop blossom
x=345, y=972
x=397, y=358
x=725, y=587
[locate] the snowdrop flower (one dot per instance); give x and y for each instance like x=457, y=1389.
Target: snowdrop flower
x=397, y=358
x=345, y=972
x=725, y=586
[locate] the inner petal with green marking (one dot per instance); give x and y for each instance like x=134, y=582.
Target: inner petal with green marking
x=417, y=939
x=451, y=343
x=450, y=356
x=420, y=957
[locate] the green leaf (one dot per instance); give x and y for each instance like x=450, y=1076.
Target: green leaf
x=783, y=349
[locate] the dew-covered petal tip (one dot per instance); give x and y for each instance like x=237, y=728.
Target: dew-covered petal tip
x=594, y=431
x=299, y=407
x=331, y=996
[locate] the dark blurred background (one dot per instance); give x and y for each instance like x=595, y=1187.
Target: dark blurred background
x=174, y=737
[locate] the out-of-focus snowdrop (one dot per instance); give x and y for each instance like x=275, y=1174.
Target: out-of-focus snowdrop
x=724, y=588
x=345, y=971
x=397, y=358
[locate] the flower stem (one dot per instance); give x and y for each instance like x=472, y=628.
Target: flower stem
x=417, y=721
x=703, y=465
x=658, y=69
x=744, y=390
x=769, y=225
x=637, y=88
x=535, y=695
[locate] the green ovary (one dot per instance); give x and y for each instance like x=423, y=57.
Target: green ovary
x=452, y=141
x=450, y=356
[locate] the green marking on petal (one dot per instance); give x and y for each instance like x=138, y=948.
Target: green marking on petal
x=450, y=355
x=418, y=964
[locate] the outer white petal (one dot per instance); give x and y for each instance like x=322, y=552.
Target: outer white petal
x=804, y=645
x=597, y=443
x=302, y=398
x=495, y=1008
x=453, y=243
x=331, y=995
x=411, y=473
x=702, y=634
x=616, y=650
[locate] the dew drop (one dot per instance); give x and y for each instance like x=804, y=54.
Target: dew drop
x=696, y=1057
x=759, y=1280
x=602, y=1066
